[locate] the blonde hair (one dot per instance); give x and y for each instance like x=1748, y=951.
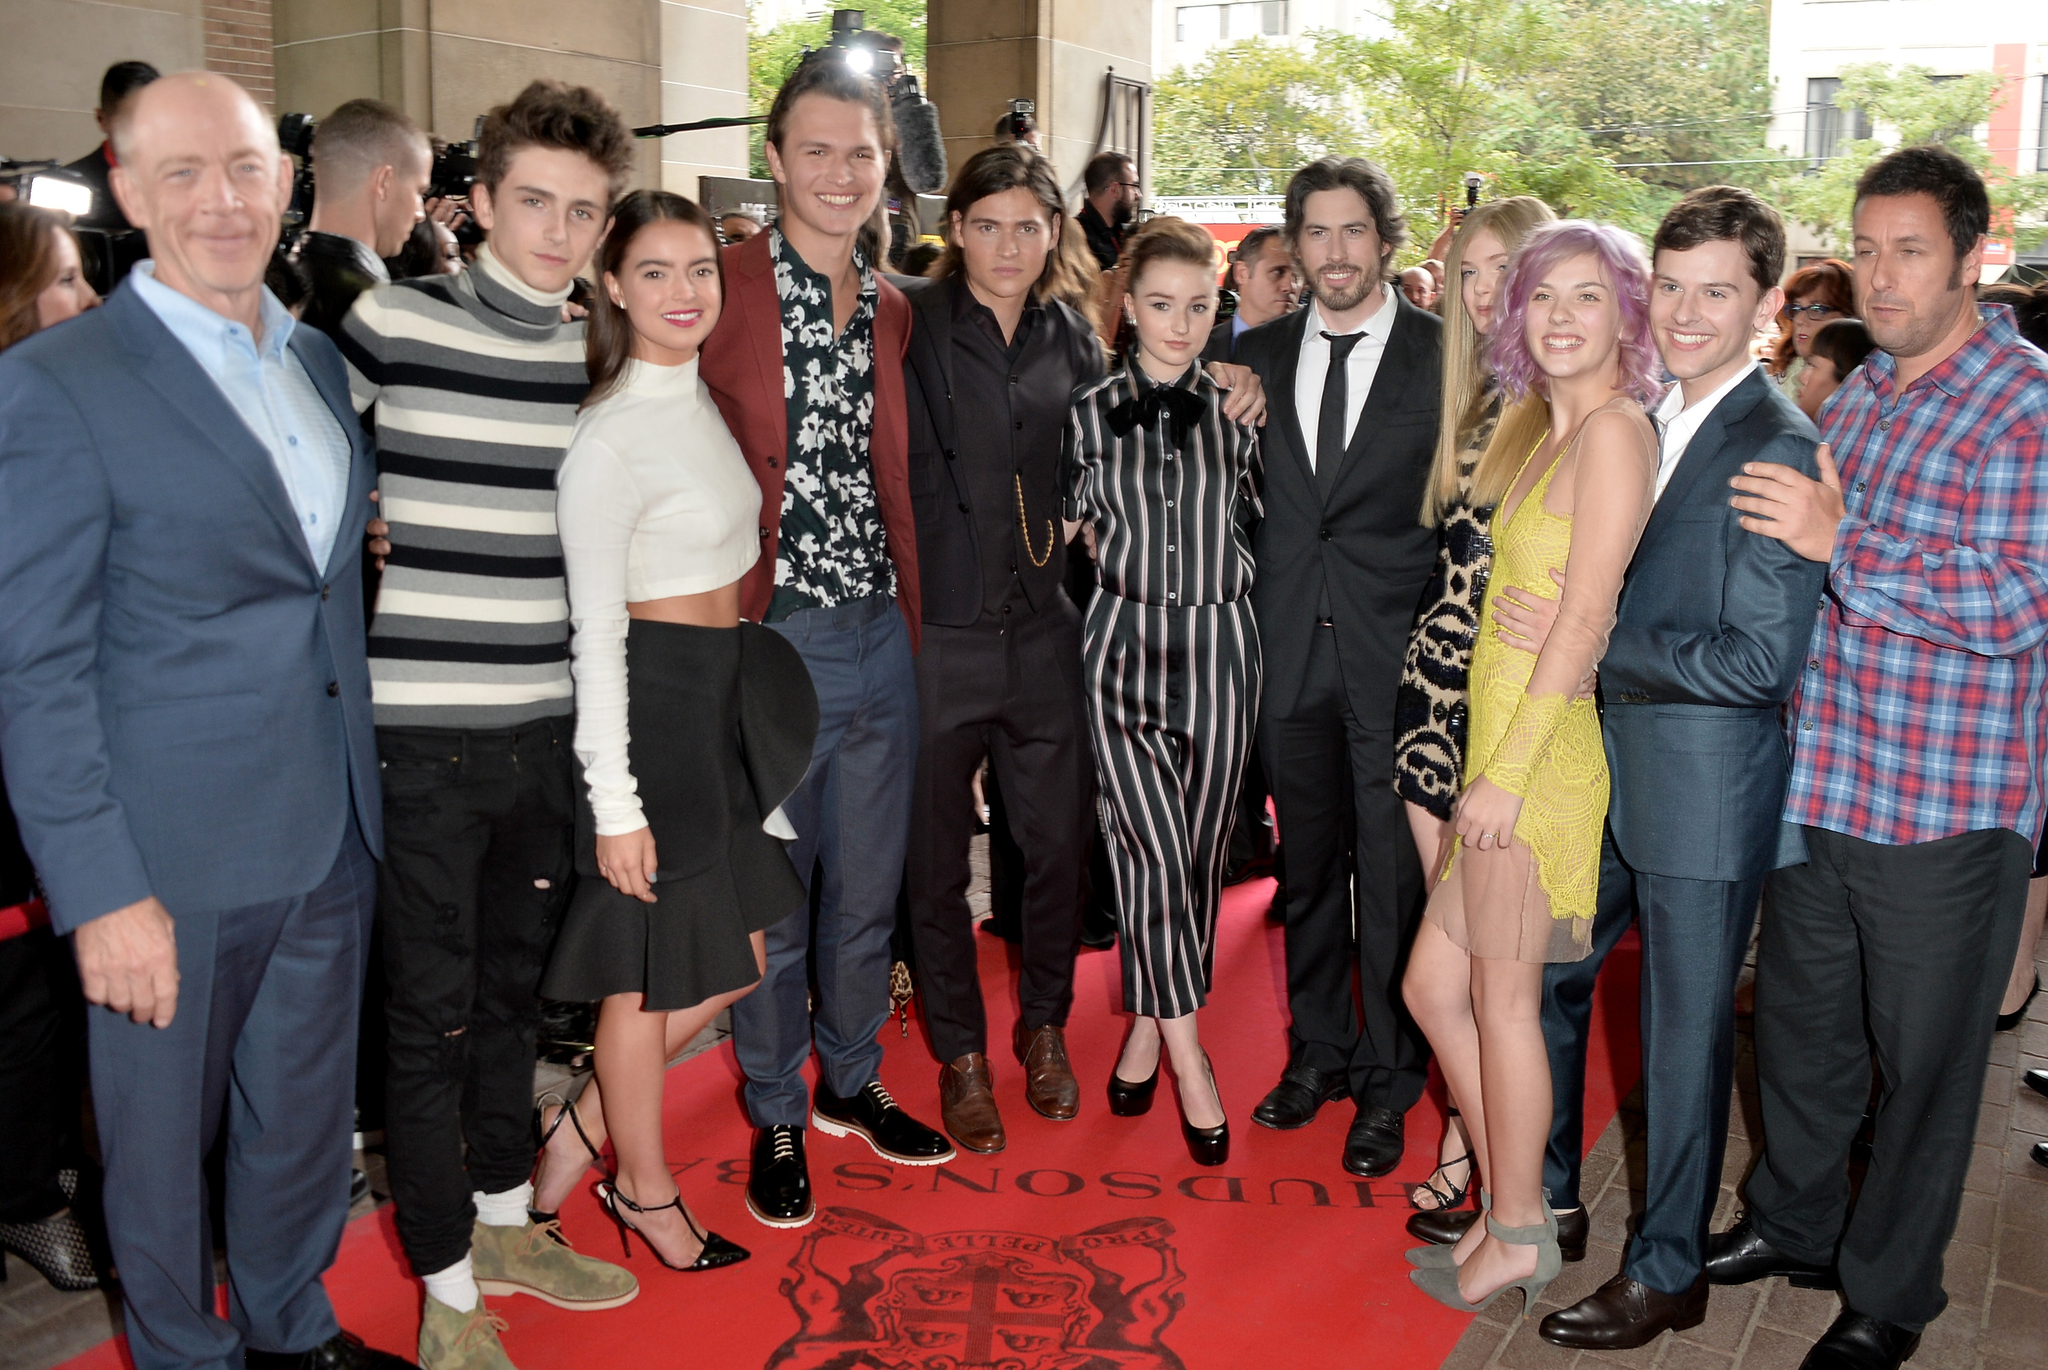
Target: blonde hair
x=1464, y=383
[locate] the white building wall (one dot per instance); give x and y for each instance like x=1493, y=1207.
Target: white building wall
x=1184, y=31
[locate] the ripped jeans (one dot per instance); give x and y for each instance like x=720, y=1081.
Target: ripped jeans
x=478, y=860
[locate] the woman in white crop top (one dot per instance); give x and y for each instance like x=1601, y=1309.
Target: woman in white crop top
x=691, y=726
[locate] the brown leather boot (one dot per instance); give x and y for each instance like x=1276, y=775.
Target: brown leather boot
x=1624, y=1313
x=1049, y=1082
x=967, y=1104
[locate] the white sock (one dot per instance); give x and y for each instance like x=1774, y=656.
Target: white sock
x=504, y=1210
x=455, y=1286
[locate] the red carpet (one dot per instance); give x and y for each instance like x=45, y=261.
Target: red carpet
x=1086, y=1245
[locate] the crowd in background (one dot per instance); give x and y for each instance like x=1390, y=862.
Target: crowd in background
x=556, y=592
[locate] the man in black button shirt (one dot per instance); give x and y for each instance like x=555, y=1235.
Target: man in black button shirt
x=1111, y=185
x=992, y=364
x=373, y=164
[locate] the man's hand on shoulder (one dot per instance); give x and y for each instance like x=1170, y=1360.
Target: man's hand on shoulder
x=128, y=961
x=1246, y=401
x=1779, y=502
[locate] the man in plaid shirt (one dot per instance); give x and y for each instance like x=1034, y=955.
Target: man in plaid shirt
x=1917, y=772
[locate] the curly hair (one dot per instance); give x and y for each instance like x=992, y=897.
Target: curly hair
x=554, y=114
x=1625, y=267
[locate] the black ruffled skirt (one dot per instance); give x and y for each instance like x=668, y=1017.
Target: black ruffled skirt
x=722, y=723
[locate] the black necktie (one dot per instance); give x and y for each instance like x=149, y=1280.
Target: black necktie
x=1330, y=419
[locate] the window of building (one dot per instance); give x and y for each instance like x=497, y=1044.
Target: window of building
x=1227, y=23
x=1826, y=127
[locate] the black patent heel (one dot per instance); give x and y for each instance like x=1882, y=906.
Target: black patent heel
x=717, y=1250
x=566, y=1112
x=1127, y=1100
x=1207, y=1145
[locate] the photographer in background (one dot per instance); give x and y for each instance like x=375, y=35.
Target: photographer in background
x=1019, y=126
x=373, y=166
x=117, y=87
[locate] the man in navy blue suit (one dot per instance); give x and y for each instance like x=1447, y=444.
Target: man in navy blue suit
x=1709, y=639
x=185, y=726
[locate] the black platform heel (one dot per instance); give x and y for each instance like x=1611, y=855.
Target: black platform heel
x=1207, y=1145
x=1127, y=1100
x=717, y=1250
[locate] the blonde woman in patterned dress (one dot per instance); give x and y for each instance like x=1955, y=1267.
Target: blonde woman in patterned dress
x=1430, y=710
x=1571, y=466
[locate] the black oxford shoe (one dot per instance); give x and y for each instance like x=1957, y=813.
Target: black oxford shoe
x=778, y=1182
x=873, y=1116
x=1442, y=1226
x=1623, y=1314
x=1300, y=1095
x=342, y=1351
x=1859, y=1342
x=1374, y=1145
x=1740, y=1255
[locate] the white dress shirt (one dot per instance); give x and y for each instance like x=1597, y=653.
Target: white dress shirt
x=1676, y=423
x=265, y=384
x=1361, y=366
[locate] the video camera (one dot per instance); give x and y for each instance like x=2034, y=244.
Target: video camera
x=104, y=255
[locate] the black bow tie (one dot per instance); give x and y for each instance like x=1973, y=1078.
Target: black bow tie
x=1184, y=409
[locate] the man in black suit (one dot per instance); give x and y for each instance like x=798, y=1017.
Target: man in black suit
x=373, y=166
x=1342, y=559
x=1262, y=274
x=1710, y=638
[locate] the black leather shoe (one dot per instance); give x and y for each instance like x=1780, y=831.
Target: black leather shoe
x=1572, y=1227
x=2037, y=1080
x=2008, y=1021
x=2040, y=1153
x=1374, y=1145
x=1442, y=1226
x=1623, y=1314
x=1860, y=1342
x=876, y=1119
x=778, y=1182
x=57, y=1247
x=342, y=1351
x=1300, y=1095
x=1740, y=1255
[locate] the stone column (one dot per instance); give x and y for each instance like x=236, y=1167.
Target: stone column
x=984, y=53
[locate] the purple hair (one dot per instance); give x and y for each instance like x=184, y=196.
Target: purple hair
x=1625, y=266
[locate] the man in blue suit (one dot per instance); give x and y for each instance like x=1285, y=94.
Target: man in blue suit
x=1709, y=640
x=185, y=726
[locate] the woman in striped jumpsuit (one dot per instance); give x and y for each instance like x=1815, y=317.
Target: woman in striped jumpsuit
x=1170, y=657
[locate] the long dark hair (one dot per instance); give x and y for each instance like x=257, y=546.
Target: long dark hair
x=28, y=263
x=608, y=337
x=991, y=171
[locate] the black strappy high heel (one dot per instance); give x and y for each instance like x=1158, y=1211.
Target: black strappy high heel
x=567, y=1111
x=717, y=1250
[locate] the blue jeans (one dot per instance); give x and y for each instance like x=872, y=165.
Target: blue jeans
x=852, y=816
x=264, y=1044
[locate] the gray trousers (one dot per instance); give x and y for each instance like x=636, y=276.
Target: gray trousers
x=263, y=1044
x=851, y=815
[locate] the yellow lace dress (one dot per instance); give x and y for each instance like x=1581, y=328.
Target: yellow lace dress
x=1534, y=899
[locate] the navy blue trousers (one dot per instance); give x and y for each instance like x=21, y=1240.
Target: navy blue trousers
x=852, y=817
x=263, y=1044
x=1695, y=934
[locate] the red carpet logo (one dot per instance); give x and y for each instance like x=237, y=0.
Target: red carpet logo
x=870, y=1293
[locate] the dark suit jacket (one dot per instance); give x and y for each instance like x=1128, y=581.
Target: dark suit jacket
x=1365, y=542
x=948, y=549
x=184, y=699
x=1218, y=348
x=1710, y=638
x=742, y=364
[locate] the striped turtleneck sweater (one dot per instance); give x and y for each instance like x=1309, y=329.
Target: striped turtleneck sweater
x=475, y=381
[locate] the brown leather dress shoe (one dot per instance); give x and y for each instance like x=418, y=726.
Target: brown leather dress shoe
x=1049, y=1083
x=1625, y=1313
x=967, y=1104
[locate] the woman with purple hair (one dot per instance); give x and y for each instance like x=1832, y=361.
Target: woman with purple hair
x=1570, y=467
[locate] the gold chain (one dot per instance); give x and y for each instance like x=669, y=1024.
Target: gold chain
x=1024, y=526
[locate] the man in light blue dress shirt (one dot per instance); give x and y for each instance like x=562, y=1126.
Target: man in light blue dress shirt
x=185, y=725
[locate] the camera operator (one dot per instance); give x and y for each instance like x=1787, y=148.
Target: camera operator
x=117, y=88
x=373, y=166
x=1018, y=126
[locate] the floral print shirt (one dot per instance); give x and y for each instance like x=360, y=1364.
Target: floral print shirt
x=833, y=548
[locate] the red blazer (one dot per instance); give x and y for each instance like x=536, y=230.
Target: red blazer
x=742, y=364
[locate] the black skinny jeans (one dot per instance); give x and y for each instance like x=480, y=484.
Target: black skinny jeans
x=42, y=1071
x=478, y=860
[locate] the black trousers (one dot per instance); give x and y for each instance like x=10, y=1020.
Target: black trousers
x=478, y=860
x=1567, y=1015
x=1902, y=951
x=1008, y=688
x=1354, y=887
x=42, y=1072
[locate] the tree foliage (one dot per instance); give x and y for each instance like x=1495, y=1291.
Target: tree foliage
x=772, y=53
x=1240, y=121
x=1910, y=107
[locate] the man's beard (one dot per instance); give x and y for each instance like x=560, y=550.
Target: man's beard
x=1122, y=214
x=1362, y=285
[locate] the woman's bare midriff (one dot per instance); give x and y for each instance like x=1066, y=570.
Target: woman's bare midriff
x=718, y=608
